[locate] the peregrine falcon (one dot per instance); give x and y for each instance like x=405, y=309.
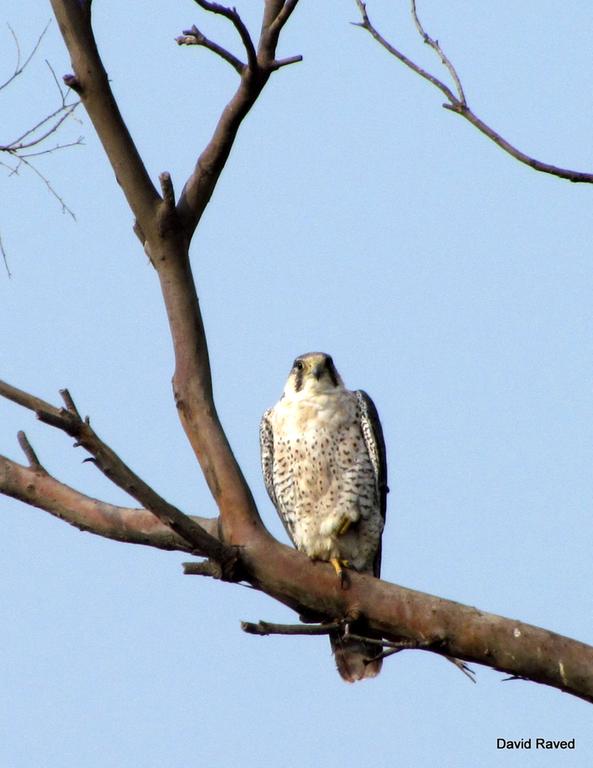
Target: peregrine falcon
x=323, y=461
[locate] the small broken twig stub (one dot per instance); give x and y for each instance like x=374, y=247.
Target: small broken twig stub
x=264, y=628
x=34, y=462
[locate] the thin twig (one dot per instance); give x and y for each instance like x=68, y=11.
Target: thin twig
x=373, y=31
x=458, y=104
x=4, y=256
x=193, y=36
x=56, y=148
x=404, y=644
x=463, y=667
x=17, y=144
x=35, y=137
x=46, y=181
x=20, y=67
x=237, y=21
x=434, y=44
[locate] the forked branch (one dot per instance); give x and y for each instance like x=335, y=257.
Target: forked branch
x=40, y=139
x=21, y=65
x=261, y=62
x=166, y=230
x=68, y=420
x=458, y=103
x=193, y=36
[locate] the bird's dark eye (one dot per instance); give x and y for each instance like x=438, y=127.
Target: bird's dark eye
x=299, y=365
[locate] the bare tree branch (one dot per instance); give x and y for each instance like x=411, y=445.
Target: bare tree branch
x=69, y=421
x=274, y=25
x=30, y=454
x=91, y=82
x=192, y=379
x=32, y=143
x=233, y=16
x=34, y=486
x=23, y=160
x=4, y=256
x=458, y=104
x=261, y=63
x=193, y=36
x=166, y=231
x=48, y=125
x=20, y=66
x=434, y=44
x=61, y=114
x=445, y=627
x=264, y=628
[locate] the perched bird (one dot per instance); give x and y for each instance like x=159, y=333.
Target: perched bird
x=323, y=461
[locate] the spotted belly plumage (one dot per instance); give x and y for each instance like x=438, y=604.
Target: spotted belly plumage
x=323, y=478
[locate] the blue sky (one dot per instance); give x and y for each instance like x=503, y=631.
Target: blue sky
x=357, y=217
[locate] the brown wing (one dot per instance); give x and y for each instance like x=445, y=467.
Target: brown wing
x=375, y=443
x=266, y=444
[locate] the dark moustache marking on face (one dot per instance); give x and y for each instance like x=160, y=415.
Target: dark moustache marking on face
x=298, y=378
x=331, y=369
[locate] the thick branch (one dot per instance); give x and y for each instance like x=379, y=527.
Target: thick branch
x=133, y=526
x=166, y=230
x=192, y=387
x=91, y=82
x=446, y=627
x=192, y=379
x=458, y=103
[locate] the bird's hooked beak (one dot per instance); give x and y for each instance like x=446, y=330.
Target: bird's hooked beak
x=317, y=370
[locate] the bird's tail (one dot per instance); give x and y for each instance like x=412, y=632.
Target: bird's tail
x=355, y=659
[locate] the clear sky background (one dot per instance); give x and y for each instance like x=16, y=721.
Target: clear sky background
x=357, y=217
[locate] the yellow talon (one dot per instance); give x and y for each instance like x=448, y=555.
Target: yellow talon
x=339, y=566
x=344, y=526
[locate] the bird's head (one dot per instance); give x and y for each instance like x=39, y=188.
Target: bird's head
x=312, y=374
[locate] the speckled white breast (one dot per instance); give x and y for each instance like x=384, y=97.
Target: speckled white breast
x=323, y=476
